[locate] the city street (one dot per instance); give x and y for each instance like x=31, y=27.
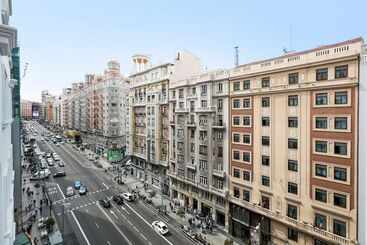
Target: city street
x=86, y=221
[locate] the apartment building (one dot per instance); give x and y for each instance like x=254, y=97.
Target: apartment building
x=148, y=115
x=26, y=109
x=8, y=172
x=97, y=108
x=293, y=151
x=199, y=160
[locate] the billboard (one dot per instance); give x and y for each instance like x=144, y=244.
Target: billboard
x=35, y=110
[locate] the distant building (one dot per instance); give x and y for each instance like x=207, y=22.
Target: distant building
x=26, y=109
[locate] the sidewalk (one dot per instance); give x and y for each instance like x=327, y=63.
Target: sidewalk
x=217, y=236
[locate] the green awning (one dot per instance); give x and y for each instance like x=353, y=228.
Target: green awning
x=21, y=239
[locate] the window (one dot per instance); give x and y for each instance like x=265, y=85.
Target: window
x=236, y=138
x=341, y=98
x=236, y=103
x=340, y=200
x=203, y=180
x=265, y=82
x=236, y=155
x=320, y=170
x=246, y=121
x=265, y=140
x=321, y=74
x=292, y=165
x=220, y=87
x=265, y=202
x=194, y=90
x=341, y=71
x=320, y=195
x=246, y=157
x=236, y=192
x=246, y=84
x=236, y=86
x=340, y=123
x=320, y=221
x=246, y=103
x=203, y=165
x=203, y=89
x=180, y=93
x=292, y=188
x=293, y=100
x=321, y=99
x=321, y=122
x=339, y=228
x=292, y=143
x=192, y=147
x=266, y=121
x=292, y=211
x=246, y=139
x=246, y=175
x=246, y=195
x=204, y=103
x=292, y=234
x=265, y=102
x=219, y=104
x=265, y=160
x=340, y=148
x=293, y=78
x=292, y=122
x=340, y=174
x=236, y=173
x=321, y=146
x=265, y=181
x=236, y=120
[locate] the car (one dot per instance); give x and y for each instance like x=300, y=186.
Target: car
x=42, y=174
x=56, y=159
x=59, y=174
x=62, y=142
x=50, y=162
x=42, y=139
x=57, y=144
x=54, y=154
x=77, y=184
x=70, y=191
x=105, y=202
x=160, y=227
x=46, y=139
x=83, y=190
x=61, y=164
x=48, y=155
x=127, y=196
x=118, y=199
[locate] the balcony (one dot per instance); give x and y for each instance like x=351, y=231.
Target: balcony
x=219, y=192
x=171, y=174
x=191, y=166
x=182, y=110
x=219, y=173
x=191, y=125
x=219, y=125
x=296, y=224
x=205, y=109
x=192, y=181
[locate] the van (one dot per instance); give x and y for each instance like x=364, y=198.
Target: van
x=42, y=174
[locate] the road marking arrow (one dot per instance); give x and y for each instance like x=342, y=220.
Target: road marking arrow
x=113, y=213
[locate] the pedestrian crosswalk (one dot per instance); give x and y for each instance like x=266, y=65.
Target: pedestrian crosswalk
x=78, y=196
x=52, y=190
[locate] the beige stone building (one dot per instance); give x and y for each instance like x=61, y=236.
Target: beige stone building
x=293, y=151
x=26, y=109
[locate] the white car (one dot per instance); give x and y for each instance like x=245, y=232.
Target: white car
x=127, y=196
x=160, y=227
x=70, y=191
x=54, y=155
x=56, y=159
x=50, y=162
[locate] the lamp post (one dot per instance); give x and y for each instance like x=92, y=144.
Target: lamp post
x=63, y=219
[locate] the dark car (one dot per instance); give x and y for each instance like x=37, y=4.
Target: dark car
x=59, y=174
x=105, y=202
x=118, y=199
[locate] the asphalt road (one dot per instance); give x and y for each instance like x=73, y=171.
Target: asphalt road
x=86, y=221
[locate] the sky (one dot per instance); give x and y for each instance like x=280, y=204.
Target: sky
x=63, y=40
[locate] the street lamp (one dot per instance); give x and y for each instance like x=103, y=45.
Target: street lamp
x=63, y=219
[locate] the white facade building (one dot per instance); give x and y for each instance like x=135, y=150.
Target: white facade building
x=8, y=40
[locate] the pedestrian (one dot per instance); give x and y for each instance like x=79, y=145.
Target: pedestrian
x=41, y=210
x=41, y=203
x=34, y=202
x=23, y=190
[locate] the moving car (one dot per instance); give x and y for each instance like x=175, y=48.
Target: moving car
x=48, y=155
x=61, y=164
x=118, y=199
x=70, y=191
x=56, y=158
x=127, y=196
x=83, y=190
x=105, y=202
x=50, y=162
x=160, y=227
x=77, y=184
x=59, y=174
x=54, y=155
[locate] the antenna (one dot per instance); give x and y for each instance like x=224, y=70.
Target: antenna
x=236, y=56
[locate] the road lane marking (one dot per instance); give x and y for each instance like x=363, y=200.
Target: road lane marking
x=118, y=229
x=124, y=209
x=60, y=191
x=143, y=236
x=97, y=225
x=147, y=223
x=136, y=229
x=80, y=228
x=105, y=185
x=129, y=222
x=113, y=213
x=87, y=210
x=108, y=242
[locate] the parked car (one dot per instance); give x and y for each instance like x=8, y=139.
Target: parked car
x=54, y=154
x=50, y=162
x=127, y=196
x=105, y=202
x=77, y=184
x=83, y=190
x=48, y=155
x=59, y=174
x=70, y=191
x=118, y=199
x=42, y=174
x=160, y=227
x=56, y=158
x=61, y=164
